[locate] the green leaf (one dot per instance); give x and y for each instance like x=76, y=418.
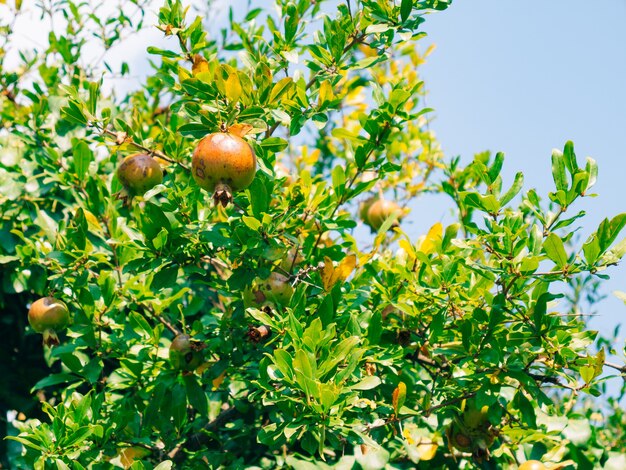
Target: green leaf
x=94, y=93
x=375, y=328
x=280, y=89
x=283, y=361
x=165, y=465
x=5, y=259
x=73, y=113
x=27, y=443
x=339, y=179
x=139, y=324
x=591, y=249
x=194, y=129
x=570, y=157
x=251, y=222
x=274, y=144
x=196, y=395
x=558, y=171
x=553, y=246
x=83, y=156
x=76, y=437
x=496, y=168
x=162, y=52
x=514, y=190
x=368, y=383
x=55, y=379
x=487, y=203
x=405, y=9
x=592, y=170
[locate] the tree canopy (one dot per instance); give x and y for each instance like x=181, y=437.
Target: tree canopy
x=200, y=233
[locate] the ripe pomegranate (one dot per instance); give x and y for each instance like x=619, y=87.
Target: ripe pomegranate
x=276, y=289
x=381, y=210
x=223, y=163
x=185, y=353
x=532, y=465
x=48, y=316
x=364, y=207
x=138, y=173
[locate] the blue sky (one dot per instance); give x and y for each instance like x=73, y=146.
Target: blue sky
x=522, y=80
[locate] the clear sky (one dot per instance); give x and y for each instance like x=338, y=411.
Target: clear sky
x=508, y=76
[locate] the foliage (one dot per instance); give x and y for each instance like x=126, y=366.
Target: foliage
x=384, y=348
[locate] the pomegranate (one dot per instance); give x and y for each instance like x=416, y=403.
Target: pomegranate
x=258, y=333
x=138, y=173
x=364, y=207
x=48, y=316
x=459, y=439
x=276, y=289
x=381, y=210
x=185, y=353
x=223, y=163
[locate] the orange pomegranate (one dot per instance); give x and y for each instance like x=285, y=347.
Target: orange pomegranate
x=222, y=164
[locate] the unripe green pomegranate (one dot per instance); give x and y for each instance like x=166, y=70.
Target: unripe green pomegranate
x=185, y=353
x=139, y=173
x=381, y=210
x=276, y=289
x=222, y=164
x=49, y=316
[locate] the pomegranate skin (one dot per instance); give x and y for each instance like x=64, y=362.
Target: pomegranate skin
x=380, y=211
x=223, y=159
x=48, y=316
x=184, y=353
x=139, y=173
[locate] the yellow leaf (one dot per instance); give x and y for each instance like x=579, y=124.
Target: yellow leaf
x=183, y=74
x=600, y=357
x=200, y=65
x=327, y=273
x=326, y=92
x=217, y=381
x=433, y=236
x=233, y=87
x=128, y=455
x=398, y=397
x=240, y=129
x=92, y=221
x=407, y=247
x=427, y=450
x=344, y=269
